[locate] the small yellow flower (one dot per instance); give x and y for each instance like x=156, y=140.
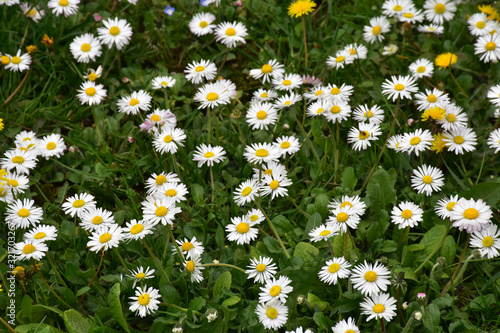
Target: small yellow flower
x=433, y=114
x=3, y=172
x=490, y=10
x=438, y=144
x=446, y=59
x=1, y=124
x=48, y=41
x=301, y=7
x=31, y=48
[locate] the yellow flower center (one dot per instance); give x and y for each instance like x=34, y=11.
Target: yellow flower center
x=140, y=276
x=272, y=313
x=155, y=118
x=40, y=235
x=23, y=212
x=285, y=145
x=90, y=91
x=275, y=291
x=85, y=47
x=378, y=308
x=342, y=217
x=31, y=13
x=345, y=203
x=266, y=69
x=408, y=15
x=490, y=46
x=261, y=153
x=451, y=118
x=187, y=246
x=167, y=139
x=325, y=233
x=340, y=59
x=63, y=3
x=164, y=83
x=368, y=114
x=399, y=87
x=431, y=98
x=114, y=30
x=264, y=95
x=397, y=8
x=274, y=184
x=246, y=191
x=143, y=299
x=242, y=228
x=18, y=159
x=440, y=8
x=78, y=203
x=171, y=192
x=450, y=205
x=459, y=139
x=230, y=32
x=5, y=60
x=203, y=24
x=136, y=229
x=3, y=192
x=200, y=69
x=480, y=25
x=415, y=140
x=427, y=179
x=406, y=214
x=377, y=30
x=335, y=109
x=421, y=69
x=161, y=211
x=488, y=241
x=319, y=92
x=160, y=180
x=349, y=331
x=254, y=218
x=353, y=51
x=268, y=172
x=471, y=213
x=28, y=248
x=212, y=96
x=371, y=276
x=12, y=183
x=261, y=114
x=287, y=82
x=16, y=60
x=363, y=135
x=209, y=154
x=320, y=110
x=92, y=77
x=97, y=220
x=105, y=238
x=190, y=266
x=260, y=268
x=134, y=102
x=333, y=267
x=50, y=146
x=335, y=91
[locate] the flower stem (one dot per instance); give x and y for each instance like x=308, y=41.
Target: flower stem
x=458, y=266
x=121, y=260
x=433, y=251
x=346, y=235
x=297, y=206
x=458, y=85
x=224, y=265
x=213, y=185
x=158, y=263
x=176, y=245
x=405, y=235
x=209, y=124
x=333, y=253
x=6, y=324
x=50, y=288
x=408, y=325
x=56, y=271
x=305, y=40
x=274, y=230
x=93, y=278
x=306, y=136
x=179, y=308
x=465, y=170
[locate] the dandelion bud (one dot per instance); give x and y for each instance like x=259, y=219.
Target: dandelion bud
x=417, y=315
x=301, y=299
x=211, y=315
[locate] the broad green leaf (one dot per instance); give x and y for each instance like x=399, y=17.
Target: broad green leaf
x=282, y=224
x=305, y=251
x=75, y=322
x=408, y=273
x=82, y=291
x=38, y=328
x=231, y=300
x=348, y=178
x=488, y=192
x=313, y=222
x=224, y=280
x=384, y=181
x=449, y=249
x=321, y=204
x=432, y=238
x=197, y=192
x=197, y=303
x=115, y=307
x=315, y=300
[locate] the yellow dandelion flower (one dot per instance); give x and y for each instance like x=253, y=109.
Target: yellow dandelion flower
x=446, y=59
x=31, y=48
x=48, y=41
x=490, y=11
x=434, y=113
x=301, y=7
x=1, y=124
x=438, y=145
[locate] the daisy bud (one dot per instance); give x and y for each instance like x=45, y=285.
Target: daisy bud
x=405, y=305
x=477, y=254
x=441, y=261
x=215, y=261
x=126, y=79
x=286, y=127
x=417, y=315
x=177, y=328
x=301, y=299
x=238, y=3
x=71, y=149
x=97, y=17
x=421, y=298
x=211, y=315
x=130, y=139
x=410, y=121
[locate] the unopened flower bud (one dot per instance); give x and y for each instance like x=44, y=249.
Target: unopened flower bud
x=301, y=299
x=405, y=305
x=410, y=121
x=211, y=315
x=421, y=298
x=130, y=139
x=215, y=261
x=286, y=127
x=477, y=254
x=72, y=149
x=417, y=315
x=238, y=3
x=177, y=328
x=441, y=261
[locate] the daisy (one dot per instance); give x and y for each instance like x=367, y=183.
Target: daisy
x=359, y=51
x=194, y=267
x=25, y=137
x=379, y=306
x=42, y=233
x=494, y=140
x=431, y=98
x=373, y=115
x=460, y=140
x=480, y=25
x=336, y=94
x=262, y=269
x=431, y=29
x=90, y=93
x=406, y=214
x=155, y=182
x=201, y=24
x=136, y=230
x=323, y=233
x=271, y=70
x=399, y=87
x=163, y=82
x=273, y=315
x=487, y=240
x=421, y=68
x=15, y=182
x=105, y=238
x=394, y=143
x=454, y=119
x=395, y=8
x=9, y=3
x=444, y=207
x=439, y=11
x=211, y=95
x=471, y=215
x=22, y=161
x=137, y=101
x=268, y=169
x=169, y=140
x=261, y=114
x=241, y=230
x=19, y=62
x=361, y=136
x=301, y=7
x=255, y=215
x=315, y=93
x=337, y=268
x=230, y=34
x=93, y=75
x=378, y=26
x=287, y=82
x=79, y=204
x=6, y=195
x=23, y=213
x=66, y=7
x=337, y=112
x=300, y=330
x=276, y=289
x=390, y=50
x=357, y=206
x=141, y=275
x=261, y=153
x=30, y=249
x=417, y=141
x=162, y=119
x=52, y=145
x=348, y=326
x=229, y=86
x=287, y=145
x=264, y=95
x=318, y=107
x=488, y=47
x=343, y=217
x=115, y=31
x=33, y=12
x=199, y=70
x=208, y=154
x=275, y=184
x=342, y=58
x=412, y=15
x=190, y=248
x=427, y=179
x=145, y=301
x=287, y=101
x=176, y=191
x=370, y=279
x=159, y=210
x=494, y=95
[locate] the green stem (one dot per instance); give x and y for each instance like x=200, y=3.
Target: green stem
x=209, y=124
x=458, y=266
x=462, y=271
x=176, y=167
x=274, y=230
x=404, y=236
x=306, y=136
x=158, y=263
x=297, y=206
x=465, y=170
x=179, y=308
x=95, y=275
x=331, y=249
x=458, y=85
x=408, y=324
x=166, y=247
x=176, y=245
x=346, y=235
x=124, y=264
x=305, y=40
x=56, y=271
x=213, y=185
x=433, y=251
x=224, y=265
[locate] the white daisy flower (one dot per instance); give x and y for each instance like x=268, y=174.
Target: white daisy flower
x=379, y=306
x=460, y=140
x=230, y=34
x=262, y=269
x=300, y=330
x=145, y=301
x=342, y=58
x=317, y=108
x=275, y=184
x=261, y=153
x=190, y=248
x=176, y=191
x=9, y=3
x=287, y=82
x=360, y=137
x=155, y=182
x=337, y=111
x=159, y=210
x=454, y=119
x=348, y=326
x=373, y=115
x=271, y=70
x=487, y=240
x=6, y=195
x=23, y=213
x=19, y=62
x=480, y=25
x=52, y=145
x=337, y=95
x=201, y=24
x=316, y=93
x=66, y=7
x=471, y=215
x=416, y=142
x=264, y=95
x=78, y=204
x=394, y=143
x=378, y=26
x=323, y=233
x=287, y=100
x=15, y=182
x=33, y=12
x=395, y=8
x=163, y=82
x=241, y=230
x=96, y=217
x=91, y=93
x=431, y=29
x=431, y=98
x=169, y=140
x=261, y=114
x=287, y=145
x=343, y=217
x=357, y=206
x=370, y=279
x=359, y=51
x=229, y=86
x=427, y=179
x=199, y=70
x=276, y=289
x=255, y=215
x=162, y=119
x=494, y=95
x=136, y=102
x=390, y=49
x=105, y=238
x=406, y=214
x=141, y=275
x=444, y=207
x=194, y=267
x=412, y=15
x=24, y=137
x=273, y=315
x=399, y=87
x=439, y=11
x=421, y=68
x=488, y=47
x=115, y=31
x=494, y=140
x=22, y=161
x=208, y=154
x=30, y=249
x=336, y=268
x=268, y=169
x=211, y=95
x=135, y=230
x=42, y=233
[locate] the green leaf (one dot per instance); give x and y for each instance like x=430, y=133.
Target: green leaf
x=313, y=222
x=282, y=224
x=489, y=192
x=82, y=291
x=197, y=192
x=432, y=238
x=321, y=204
x=449, y=249
x=315, y=300
x=382, y=184
x=409, y=273
x=115, y=307
x=348, y=178
x=197, y=303
x=231, y=300
x=224, y=280
x=305, y=251
x=76, y=323
x=100, y=169
x=38, y=328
